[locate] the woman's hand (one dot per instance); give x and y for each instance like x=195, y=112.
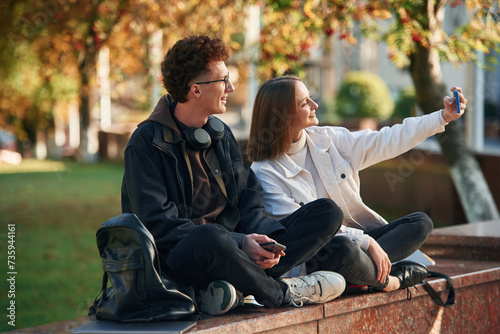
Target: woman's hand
x=381, y=260
x=259, y=255
x=449, y=111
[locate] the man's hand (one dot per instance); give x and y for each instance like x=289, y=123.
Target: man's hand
x=259, y=255
x=381, y=260
x=449, y=111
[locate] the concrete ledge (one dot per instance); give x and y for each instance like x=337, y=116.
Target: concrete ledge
x=477, y=295
x=478, y=241
x=471, y=260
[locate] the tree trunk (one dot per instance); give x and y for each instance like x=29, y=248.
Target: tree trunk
x=86, y=74
x=466, y=173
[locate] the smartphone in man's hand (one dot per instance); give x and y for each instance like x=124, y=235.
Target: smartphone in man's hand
x=273, y=247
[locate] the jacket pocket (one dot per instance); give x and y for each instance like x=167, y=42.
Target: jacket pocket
x=343, y=172
x=125, y=267
x=302, y=189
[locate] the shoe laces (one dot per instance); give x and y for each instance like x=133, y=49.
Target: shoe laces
x=404, y=285
x=300, y=292
x=240, y=299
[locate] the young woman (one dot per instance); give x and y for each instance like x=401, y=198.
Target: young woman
x=297, y=162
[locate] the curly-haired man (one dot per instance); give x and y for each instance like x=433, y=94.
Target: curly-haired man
x=186, y=180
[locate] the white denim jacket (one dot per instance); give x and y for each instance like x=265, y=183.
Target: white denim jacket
x=339, y=155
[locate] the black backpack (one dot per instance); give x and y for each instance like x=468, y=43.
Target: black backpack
x=139, y=291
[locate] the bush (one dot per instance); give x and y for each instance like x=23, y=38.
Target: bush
x=364, y=94
x=326, y=112
x=406, y=104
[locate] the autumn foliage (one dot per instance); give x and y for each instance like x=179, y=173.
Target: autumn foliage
x=49, y=48
x=292, y=29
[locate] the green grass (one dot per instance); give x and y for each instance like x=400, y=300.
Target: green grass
x=56, y=208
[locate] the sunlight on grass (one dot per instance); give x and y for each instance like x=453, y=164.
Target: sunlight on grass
x=34, y=165
x=56, y=208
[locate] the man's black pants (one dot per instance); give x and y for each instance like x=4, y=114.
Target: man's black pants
x=209, y=253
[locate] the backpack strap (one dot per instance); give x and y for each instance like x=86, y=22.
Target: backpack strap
x=433, y=294
x=102, y=294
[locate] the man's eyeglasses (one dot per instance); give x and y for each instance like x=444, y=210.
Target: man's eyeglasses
x=226, y=82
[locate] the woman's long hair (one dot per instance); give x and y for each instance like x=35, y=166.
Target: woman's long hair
x=274, y=109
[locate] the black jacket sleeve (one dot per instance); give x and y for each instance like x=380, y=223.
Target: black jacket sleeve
x=248, y=194
x=151, y=189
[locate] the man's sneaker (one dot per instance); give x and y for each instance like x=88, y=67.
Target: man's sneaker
x=219, y=297
x=316, y=288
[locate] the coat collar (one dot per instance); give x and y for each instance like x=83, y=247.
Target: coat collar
x=315, y=142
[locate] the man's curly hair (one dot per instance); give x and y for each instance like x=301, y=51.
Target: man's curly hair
x=189, y=59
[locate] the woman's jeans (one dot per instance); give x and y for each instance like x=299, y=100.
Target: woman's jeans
x=398, y=239
x=210, y=253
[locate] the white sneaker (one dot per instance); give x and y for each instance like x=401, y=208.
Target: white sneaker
x=316, y=288
x=219, y=297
